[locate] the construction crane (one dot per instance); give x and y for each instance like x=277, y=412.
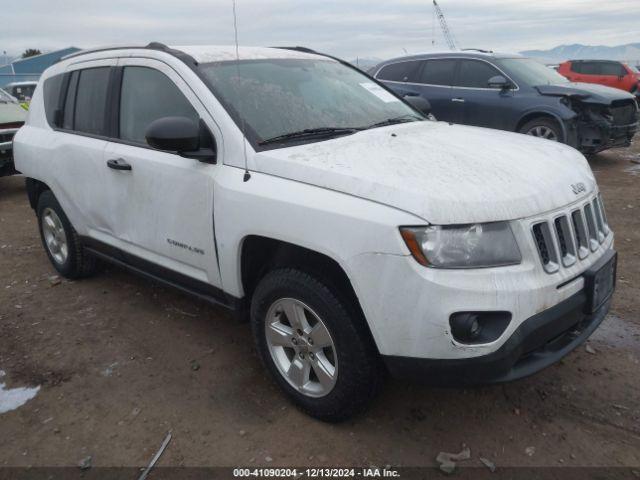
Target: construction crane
x=445, y=28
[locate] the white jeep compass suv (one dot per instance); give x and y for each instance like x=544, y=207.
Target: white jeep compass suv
x=360, y=236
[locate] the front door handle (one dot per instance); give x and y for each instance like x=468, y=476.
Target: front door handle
x=118, y=164
x=459, y=100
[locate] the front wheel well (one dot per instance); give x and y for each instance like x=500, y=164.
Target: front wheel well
x=543, y=115
x=35, y=188
x=260, y=255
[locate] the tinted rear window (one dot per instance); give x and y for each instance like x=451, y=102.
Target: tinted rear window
x=437, y=72
x=475, y=74
x=91, y=100
x=52, y=87
x=67, y=122
x=398, y=72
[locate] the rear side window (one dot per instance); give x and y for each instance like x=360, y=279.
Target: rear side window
x=475, y=74
x=148, y=95
x=438, y=72
x=51, y=89
x=587, y=68
x=67, y=121
x=91, y=101
x=398, y=72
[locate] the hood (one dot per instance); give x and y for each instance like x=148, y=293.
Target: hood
x=11, y=113
x=589, y=92
x=442, y=173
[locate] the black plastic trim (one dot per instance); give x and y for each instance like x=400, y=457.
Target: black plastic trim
x=152, y=271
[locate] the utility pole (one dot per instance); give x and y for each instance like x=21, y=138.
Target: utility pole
x=448, y=36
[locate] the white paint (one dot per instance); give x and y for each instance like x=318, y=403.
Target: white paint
x=442, y=173
x=13, y=398
x=210, y=53
x=344, y=198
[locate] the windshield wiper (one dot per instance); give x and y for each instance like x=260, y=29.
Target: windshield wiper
x=395, y=120
x=310, y=133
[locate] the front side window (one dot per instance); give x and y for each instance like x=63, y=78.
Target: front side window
x=529, y=72
x=590, y=68
x=613, y=69
x=146, y=96
x=475, y=74
x=91, y=101
x=438, y=72
x=274, y=97
x=398, y=72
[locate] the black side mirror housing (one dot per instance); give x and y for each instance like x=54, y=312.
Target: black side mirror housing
x=419, y=103
x=499, y=82
x=183, y=136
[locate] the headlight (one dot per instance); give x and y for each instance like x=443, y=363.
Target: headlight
x=463, y=246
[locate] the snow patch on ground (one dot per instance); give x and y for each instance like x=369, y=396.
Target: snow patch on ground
x=13, y=398
x=633, y=170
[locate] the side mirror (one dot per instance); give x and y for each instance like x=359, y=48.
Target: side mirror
x=499, y=82
x=419, y=103
x=182, y=136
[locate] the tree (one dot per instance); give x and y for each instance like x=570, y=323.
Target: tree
x=31, y=52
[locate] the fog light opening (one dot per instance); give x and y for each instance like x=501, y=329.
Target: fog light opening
x=478, y=327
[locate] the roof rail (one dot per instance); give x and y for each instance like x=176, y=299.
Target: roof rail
x=300, y=49
x=188, y=59
x=476, y=50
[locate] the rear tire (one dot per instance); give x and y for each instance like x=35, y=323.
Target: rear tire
x=320, y=357
x=543, y=127
x=60, y=240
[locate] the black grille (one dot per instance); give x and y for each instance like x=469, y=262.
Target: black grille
x=6, y=137
x=577, y=227
x=571, y=236
x=561, y=240
x=542, y=245
x=624, y=114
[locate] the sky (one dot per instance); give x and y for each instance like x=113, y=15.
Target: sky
x=347, y=28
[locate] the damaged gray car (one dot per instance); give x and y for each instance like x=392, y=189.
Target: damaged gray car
x=514, y=93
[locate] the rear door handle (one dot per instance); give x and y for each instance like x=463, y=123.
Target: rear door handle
x=459, y=100
x=118, y=164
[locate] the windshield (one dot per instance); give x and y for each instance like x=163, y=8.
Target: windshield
x=5, y=97
x=633, y=69
x=530, y=72
x=276, y=97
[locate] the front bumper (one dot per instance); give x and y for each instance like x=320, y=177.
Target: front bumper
x=597, y=134
x=539, y=342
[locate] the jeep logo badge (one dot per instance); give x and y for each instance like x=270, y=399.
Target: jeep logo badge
x=578, y=188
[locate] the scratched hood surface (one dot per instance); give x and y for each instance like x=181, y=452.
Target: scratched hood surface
x=442, y=173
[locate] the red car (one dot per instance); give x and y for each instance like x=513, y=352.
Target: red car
x=604, y=72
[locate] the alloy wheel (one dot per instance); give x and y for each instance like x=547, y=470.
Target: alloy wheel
x=301, y=347
x=54, y=235
x=542, y=131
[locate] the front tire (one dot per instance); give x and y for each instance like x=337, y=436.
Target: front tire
x=317, y=352
x=543, y=127
x=61, y=241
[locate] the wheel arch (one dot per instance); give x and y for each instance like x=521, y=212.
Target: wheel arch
x=35, y=188
x=260, y=254
x=527, y=117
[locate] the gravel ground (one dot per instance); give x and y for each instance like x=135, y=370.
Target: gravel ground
x=121, y=361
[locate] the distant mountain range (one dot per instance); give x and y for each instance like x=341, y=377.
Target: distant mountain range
x=629, y=52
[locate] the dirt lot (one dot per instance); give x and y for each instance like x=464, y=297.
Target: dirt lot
x=122, y=361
